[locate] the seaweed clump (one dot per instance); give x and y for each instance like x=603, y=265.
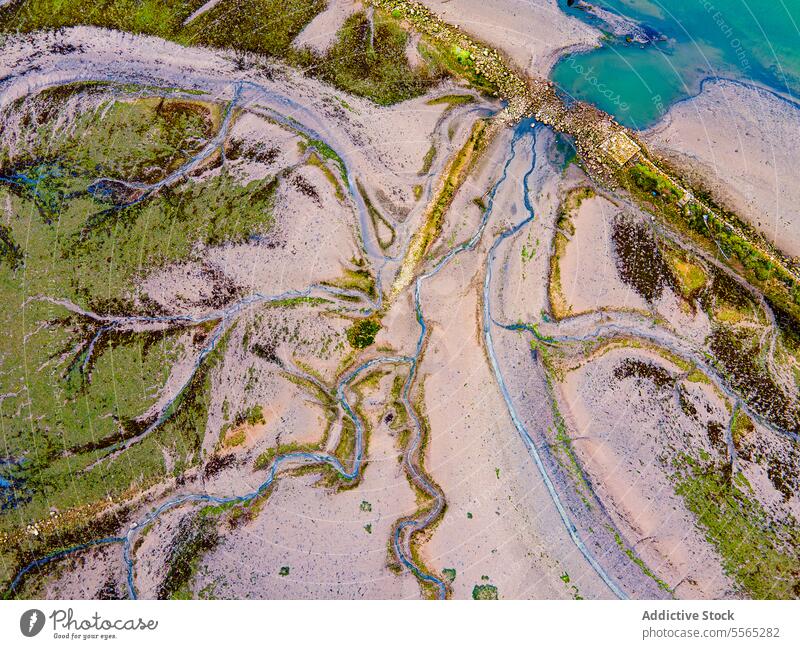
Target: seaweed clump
x=739, y=359
x=632, y=367
x=640, y=263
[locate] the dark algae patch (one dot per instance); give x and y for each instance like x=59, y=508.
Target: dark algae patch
x=261, y=26
x=740, y=358
x=633, y=367
x=639, y=260
x=197, y=534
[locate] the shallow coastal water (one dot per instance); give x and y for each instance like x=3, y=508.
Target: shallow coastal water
x=691, y=40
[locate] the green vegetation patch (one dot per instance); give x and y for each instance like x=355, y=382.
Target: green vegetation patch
x=369, y=59
x=99, y=143
x=638, y=561
x=427, y=161
x=740, y=359
x=66, y=410
x=484, y=591
x=362, y=333
x=157, y=17
x=691, y=277
x=759, y=553
x=379, y=222
x=261, y=26
x=640, y=263
x=458, y=61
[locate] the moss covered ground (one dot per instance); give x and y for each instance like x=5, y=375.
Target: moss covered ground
x=64, y=410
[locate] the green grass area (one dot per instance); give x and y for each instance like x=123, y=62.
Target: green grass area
x=638, y=561
x=56, y=160
x=691, y=277
x=265, y=459
x=559, y=306
x=325, y=151
x=234, y=439
x=65, y=410
x=650, y=181
x=430, y=230
x=157, y=17
x=758, y=552
x=459, y=62
x=315, y=161
x=484, y=591
x=62, y=485
x=84, y=246
x=372, y=65
x=253, y=416
x=357, y=278
x=427, y=161
x=742, y=428
x=366, y=60
x=740, y=359
x=451, y=101
x=380, y=223
x=261, y=26
x=362, y=333
x=565, y=452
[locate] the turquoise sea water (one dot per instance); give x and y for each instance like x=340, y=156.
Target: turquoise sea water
x=748, y=40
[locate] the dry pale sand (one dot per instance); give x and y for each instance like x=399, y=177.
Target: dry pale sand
x=334, y=543
x=534, y=33
x=745, y=140
x=589, y=276
x=501, y=527
x=590, y=280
